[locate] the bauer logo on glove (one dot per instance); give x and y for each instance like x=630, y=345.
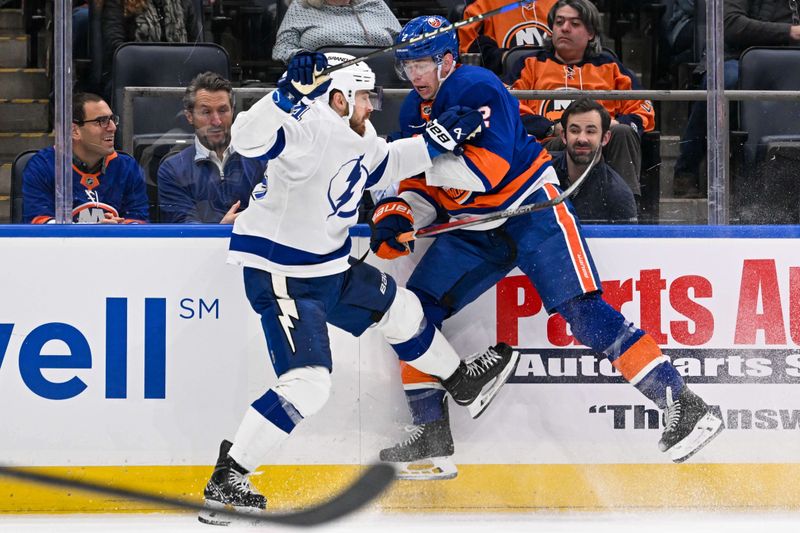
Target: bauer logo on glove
x=392, y=217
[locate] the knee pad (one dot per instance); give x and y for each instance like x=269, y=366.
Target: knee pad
x=404, y=318
x=306, y=388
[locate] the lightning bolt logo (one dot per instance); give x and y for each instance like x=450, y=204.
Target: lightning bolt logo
x=287, y=306
x=354, y=170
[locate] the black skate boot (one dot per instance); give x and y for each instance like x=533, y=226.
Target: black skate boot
x=466, y=385
x=229, y=488
x=689, y=425
x=425, y=454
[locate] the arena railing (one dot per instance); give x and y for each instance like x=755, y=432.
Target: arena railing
x=718, y=176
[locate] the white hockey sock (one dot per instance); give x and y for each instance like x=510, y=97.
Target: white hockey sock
x=254, y=439
x=440, y=360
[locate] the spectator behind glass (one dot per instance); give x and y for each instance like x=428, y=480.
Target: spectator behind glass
x=147, y=21
x=312, y=24
x=208, y=182
x=523, y=25
x=573, y=59
x=747, y=23
x=107, y=186
x=604, y=196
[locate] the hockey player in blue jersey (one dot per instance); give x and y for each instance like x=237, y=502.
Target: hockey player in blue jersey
x=294, y=244
x=504, y=168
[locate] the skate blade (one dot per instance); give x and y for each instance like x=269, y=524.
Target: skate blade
x=479, y=405
x=708, y=427
x=431, y=468
x=211, y=515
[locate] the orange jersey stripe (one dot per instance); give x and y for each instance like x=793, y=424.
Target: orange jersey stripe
x=577, y=252
x=493, y=201
x=42, y=219
x=411, y=375
x=489, y=163
x=637, y=357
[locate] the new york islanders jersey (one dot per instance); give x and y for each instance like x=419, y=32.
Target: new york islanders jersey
x=543, y=71
x=497, y=171
x=317, y=173
x=523, y=26
x=117, y=188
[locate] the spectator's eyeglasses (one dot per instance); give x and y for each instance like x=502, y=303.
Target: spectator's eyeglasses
x=101, y=121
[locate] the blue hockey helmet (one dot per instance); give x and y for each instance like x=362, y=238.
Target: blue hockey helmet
x=435, y=47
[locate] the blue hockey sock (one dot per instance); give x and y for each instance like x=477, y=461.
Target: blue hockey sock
x=425, y=405
x=634, y=353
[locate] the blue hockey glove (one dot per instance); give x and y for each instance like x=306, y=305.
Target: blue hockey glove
x=392, y=216
x=450, y=130
x=302, y=79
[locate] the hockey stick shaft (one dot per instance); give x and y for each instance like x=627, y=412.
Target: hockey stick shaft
x=461, y=223
x=375, y=479
x=452, y=27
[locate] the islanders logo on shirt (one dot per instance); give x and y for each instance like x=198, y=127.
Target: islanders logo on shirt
x=346, y=187
x=553, y=109
x=528, y=33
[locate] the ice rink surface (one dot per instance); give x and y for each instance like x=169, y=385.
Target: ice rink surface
x=538, y=522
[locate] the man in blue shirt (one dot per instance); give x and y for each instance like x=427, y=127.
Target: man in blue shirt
x=207, y=182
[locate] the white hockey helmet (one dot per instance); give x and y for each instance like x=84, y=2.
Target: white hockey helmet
x=356, y=77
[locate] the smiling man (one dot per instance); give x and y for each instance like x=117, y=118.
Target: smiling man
x=107, y=186
x=604, y=197
x=208, y=182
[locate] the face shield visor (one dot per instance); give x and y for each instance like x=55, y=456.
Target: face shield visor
x=408, y=69
x=376, y=98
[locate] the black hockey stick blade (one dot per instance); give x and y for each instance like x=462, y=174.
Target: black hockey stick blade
x=474, y=220
x=444, y=29
x=372, y=482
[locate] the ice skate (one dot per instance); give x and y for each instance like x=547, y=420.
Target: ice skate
x=476, y=381
x=689, y=425
x=229, y=488
x=426, y=453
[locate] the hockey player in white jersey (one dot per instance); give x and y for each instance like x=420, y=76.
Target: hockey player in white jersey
x=293, y=241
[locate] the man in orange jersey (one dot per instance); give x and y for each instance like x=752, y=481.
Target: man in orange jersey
x=573, y=59
x=523, y=26
x=107, y=186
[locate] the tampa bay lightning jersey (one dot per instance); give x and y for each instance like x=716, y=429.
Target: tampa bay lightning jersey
x=497, y=171
x=298, y=220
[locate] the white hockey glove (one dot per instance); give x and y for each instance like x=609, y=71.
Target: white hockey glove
x=450, y=130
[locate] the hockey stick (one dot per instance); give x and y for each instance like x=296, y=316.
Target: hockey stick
x=366, y=488
x=474, y=220
x=453, y=26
